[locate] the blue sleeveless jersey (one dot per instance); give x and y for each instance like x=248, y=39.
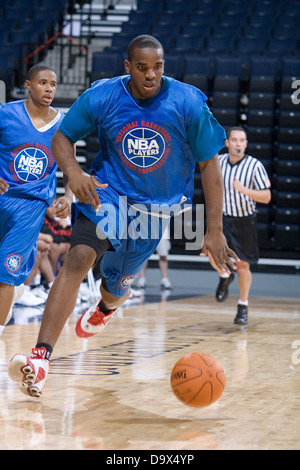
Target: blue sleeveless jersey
x=148, y=148
x=26, y=161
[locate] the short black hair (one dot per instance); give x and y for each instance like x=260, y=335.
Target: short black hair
x=33, y=71
x=140, y=42
x=235, y=128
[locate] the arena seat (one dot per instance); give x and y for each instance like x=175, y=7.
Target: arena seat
x=287, y=236
x=287, y=215
x=288, y=198
x=288, y=151
x=217, y=46
x=290, y=71
x=288, y=167
x=249, y=46
x=173, y=65
x=260, y=117
x=225, y=99
x=281, y=46
x=265, y=101
x=188, y=44
x=136, y=28
x=261, y=134
x=105, y=65
x=289, y=135
x=227, y=74
x=263, y=74
x=289, y=118
x=260, y=150
x=197, y=71
x=287, y=183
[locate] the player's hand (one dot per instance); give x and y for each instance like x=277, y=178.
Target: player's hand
x=83, y=186
x=238, y=186
x=216, y=248
x=62, y=207
x=3, y=186
x=44, y=242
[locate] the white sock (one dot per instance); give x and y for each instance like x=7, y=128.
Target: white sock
x=243, y=302
x=1, y=329
x=225, y=276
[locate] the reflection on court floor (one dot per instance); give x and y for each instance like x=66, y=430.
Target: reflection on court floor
x=112, y=391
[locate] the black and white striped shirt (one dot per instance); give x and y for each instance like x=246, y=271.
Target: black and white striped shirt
x=252, y=174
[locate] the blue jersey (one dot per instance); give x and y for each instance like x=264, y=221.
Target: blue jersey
x=148, y=148
x=26, y=161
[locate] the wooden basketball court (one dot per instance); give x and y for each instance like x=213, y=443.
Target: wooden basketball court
x=112, y=392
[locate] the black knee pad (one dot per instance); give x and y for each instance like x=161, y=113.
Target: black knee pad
x=85, y=232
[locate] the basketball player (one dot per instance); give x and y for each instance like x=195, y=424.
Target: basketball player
x=27, y=181
x=151, y=130
x=246, y=182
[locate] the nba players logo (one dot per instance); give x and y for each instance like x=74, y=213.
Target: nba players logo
x=13, y=263
x=30, y=164
x=143, y=147
x=126, y=281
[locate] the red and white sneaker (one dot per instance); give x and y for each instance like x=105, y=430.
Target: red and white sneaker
x=30, y=372
x=92, y=321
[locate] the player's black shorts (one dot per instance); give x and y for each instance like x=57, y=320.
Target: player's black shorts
x=85, y=232
x=241, y=236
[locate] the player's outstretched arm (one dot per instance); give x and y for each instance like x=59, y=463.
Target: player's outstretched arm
x=82, y=185
x=214, y=243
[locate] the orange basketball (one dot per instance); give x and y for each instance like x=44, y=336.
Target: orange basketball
x=198, y=379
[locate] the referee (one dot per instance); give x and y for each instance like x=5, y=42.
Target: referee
x=245, y=183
